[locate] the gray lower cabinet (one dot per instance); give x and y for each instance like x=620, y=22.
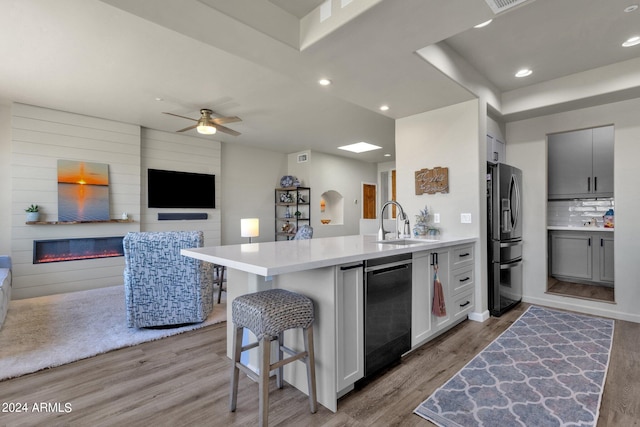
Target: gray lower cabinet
x=580, y=163
x=349, y=314
x=581, y=256
x=605, y=247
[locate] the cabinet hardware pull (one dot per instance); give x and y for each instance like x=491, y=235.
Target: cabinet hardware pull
x=595, y=183
x=350, y=267
x=434, y=258
x=601, y=242
x=465, y=279
x=589, y=244
x=465, y=304
x=588, y=183
x=464, y=254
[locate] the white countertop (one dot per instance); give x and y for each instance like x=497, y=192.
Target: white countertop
x=571, y=228
x=272, y=258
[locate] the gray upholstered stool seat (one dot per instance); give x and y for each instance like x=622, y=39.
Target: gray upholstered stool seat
x=268, y=314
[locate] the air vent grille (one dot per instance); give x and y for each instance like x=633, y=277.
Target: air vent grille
x=501, y=5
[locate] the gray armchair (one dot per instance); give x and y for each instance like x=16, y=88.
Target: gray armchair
x=162, y=287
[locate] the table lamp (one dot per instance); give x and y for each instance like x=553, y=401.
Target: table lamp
x=249, y=227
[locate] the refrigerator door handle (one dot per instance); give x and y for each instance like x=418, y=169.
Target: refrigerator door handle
x=514, y=189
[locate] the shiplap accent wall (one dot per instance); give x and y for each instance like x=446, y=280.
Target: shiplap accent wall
x=180, y=152
x=40, y=137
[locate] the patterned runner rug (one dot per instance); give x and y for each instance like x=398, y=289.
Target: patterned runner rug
x=547, y=369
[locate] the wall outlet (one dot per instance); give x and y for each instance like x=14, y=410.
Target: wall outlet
x=465, y=218
x=436, y=218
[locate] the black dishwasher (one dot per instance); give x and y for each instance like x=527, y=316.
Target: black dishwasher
x=387, y=311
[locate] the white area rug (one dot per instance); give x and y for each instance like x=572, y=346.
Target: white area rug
x=54, y=330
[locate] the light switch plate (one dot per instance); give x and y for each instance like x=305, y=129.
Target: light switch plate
x=465, y=218
x=436, y=218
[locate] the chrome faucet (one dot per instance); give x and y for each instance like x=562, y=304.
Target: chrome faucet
x=406, y=229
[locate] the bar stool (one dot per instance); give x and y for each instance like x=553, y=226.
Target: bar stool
x=268, y=314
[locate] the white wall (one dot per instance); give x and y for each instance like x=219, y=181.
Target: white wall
x=527, y=150
x=447, y=137
x=180, y=152
x=249, y=179
x=39, y=138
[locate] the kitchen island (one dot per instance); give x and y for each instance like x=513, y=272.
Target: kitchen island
x=329, y=271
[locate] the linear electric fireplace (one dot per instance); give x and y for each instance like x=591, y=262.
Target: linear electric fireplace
x=75, y=249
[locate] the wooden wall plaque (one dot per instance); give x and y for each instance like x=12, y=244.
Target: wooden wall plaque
x=432, y=181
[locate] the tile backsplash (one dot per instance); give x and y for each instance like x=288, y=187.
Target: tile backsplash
x=576, y=213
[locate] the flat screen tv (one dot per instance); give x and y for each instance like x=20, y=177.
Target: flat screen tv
x=173, y=189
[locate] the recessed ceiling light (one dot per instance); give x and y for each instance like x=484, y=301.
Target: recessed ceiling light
x=324, y=82
x=387, y=155
x=632, y=41
x=631, y=8
x=359, y=147
x=159, y=99
x=384, y=107
x=524, y=72
x=484, y=24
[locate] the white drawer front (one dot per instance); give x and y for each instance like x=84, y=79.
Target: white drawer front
x=462, y=256
x=462, y=304
x=462, y=279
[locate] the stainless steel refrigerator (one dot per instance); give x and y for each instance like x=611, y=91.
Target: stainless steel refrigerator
x=504, y=228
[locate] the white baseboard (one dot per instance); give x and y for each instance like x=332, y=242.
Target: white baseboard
x=479, y=317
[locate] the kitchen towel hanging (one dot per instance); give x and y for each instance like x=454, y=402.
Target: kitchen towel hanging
x=438, y=308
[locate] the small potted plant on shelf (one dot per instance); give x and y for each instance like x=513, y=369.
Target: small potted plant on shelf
x=422, y=228
x=33, y=213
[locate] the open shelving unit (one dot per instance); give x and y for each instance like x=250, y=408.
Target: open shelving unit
x=288, y=201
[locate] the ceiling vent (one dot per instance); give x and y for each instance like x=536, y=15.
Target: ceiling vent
x=501, y=5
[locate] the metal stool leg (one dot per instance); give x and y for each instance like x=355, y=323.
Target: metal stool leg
x=280, y=370
x=235, y=372
x=311, y=368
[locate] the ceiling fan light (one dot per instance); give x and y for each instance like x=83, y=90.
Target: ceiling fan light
x=205, y=128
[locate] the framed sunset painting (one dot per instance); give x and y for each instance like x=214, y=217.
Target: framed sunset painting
x=83, y=191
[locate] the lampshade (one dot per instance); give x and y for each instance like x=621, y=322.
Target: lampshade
x=249, y=227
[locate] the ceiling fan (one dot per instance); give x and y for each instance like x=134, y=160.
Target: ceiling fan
x=207, y=125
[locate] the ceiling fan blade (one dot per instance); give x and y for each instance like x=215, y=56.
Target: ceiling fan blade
x=189, y=128
x=183, y=117
x=223, y=120
x=227, y=130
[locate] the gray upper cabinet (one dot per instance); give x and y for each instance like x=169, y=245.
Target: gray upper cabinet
x=603, y=161
x=581, y=164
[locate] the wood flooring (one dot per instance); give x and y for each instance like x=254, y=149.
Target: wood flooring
x=582, y=291
x=184, y=380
